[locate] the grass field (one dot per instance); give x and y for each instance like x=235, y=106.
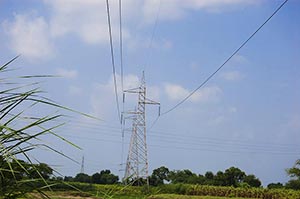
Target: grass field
x=79, y=195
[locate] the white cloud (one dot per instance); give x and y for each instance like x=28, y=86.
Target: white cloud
x=103, y=102
x=29, y=36
x=176, y=9
x=232, y=76
x=239, y=59
x=86, y=19
x=69, y=74
x=169, y=10
x=130, y=81
x=206, y=94
x=153, y=92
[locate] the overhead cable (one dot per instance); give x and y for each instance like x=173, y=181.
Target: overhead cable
x=122, y=77
x=208, y=147
x=226, y=61
x=121, y=44
x=153, y=34
x=167, y=136
x=113, y=59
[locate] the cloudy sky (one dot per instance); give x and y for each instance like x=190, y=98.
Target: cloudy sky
x=247, y=115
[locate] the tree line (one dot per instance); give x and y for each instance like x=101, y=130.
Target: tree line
x=102, y=177
x=232, y=176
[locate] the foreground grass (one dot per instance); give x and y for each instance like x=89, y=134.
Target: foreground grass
x=81, y=195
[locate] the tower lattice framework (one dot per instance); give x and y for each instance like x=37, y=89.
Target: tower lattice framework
x=137, y=159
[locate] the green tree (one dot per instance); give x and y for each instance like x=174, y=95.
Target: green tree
x=159, y=175
x=104, y=177
x=209, y=178
x=277, y=185
x=252, y=181
x=293, y=184
x=96, y=178
x=57, y=178
x=11, y=173
x=183, y=176
x=234, y=176
x=14, y=173
x=294, y=173
x=68, y=179
x=209, y=175
x=220, y=179
x=82, y=177
x=108, y=178
x=40, y=170
x=201, y=179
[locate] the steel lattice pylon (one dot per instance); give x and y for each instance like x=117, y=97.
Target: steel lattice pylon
x=137, y=160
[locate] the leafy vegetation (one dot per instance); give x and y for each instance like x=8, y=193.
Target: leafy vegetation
x=21, y=126
x=232, y=192
x=103, y=177
x=22, y=172
x=231, y=177
x=175, y=196
x=277, y=185
x=294, y=173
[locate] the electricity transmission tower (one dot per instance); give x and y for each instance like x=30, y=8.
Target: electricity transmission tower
x=137, y=160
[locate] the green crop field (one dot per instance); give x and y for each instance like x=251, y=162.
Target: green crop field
x=171, y=191
x=176, y=196
x=78, y=195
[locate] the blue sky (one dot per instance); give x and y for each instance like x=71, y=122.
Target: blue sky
x=247, y=116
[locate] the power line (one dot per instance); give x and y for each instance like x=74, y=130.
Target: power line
x=201, y=148
x=167, y=134
x=113, y=58
x=149, y=48
x=153, y=32
x=121, y=44
x=203, y=141
x=226, y=61
x=122, y=78
x=155, y=25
